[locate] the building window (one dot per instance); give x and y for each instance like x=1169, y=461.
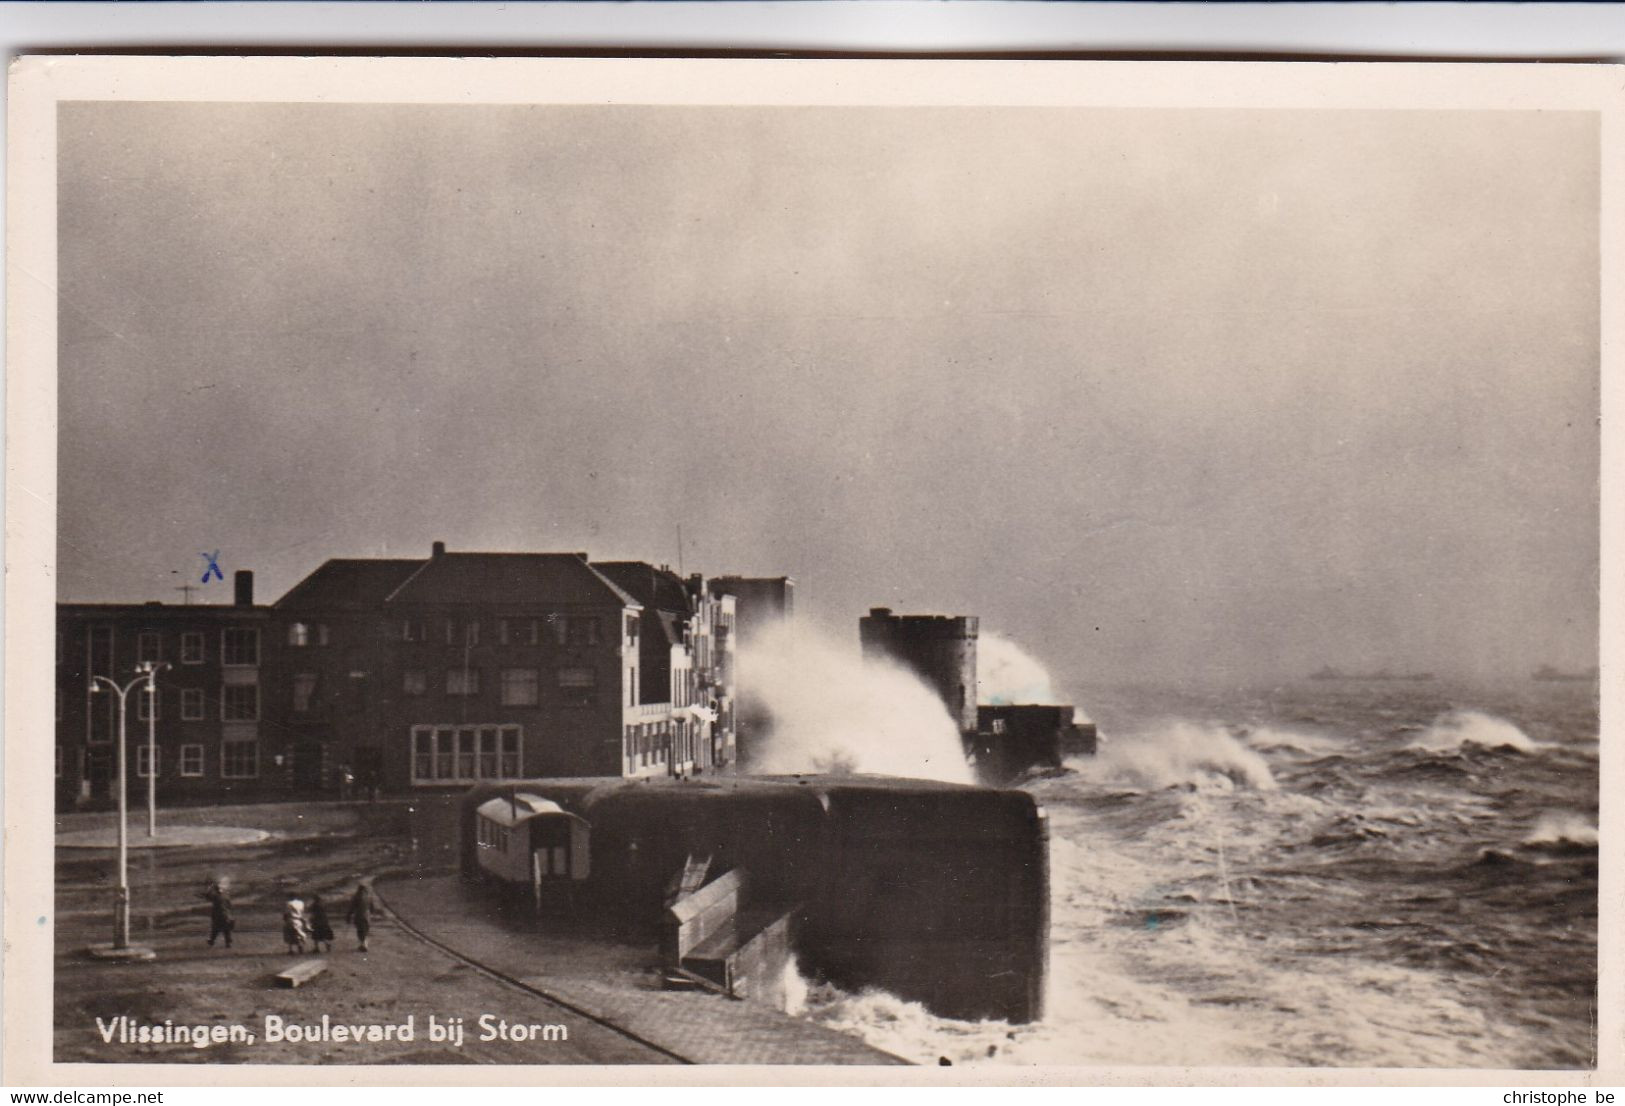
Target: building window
x=301, y=634
x=191, y=704
x=415, y=681
x=100, y=766
x=632, y=686
x=191, y=760
x=412, y=630
x=470, y=633
x=464, y=754
x=519, y=687
x=143, y=761
x=240, y=647
x=575, y=630
x=240, y=760
x=578, y=687
x=632, y=628
x=462, y=681
x=519, y=631
x=149, y=646
x=240, y=703
x=304, y=691
x=148, y=703
x=191, y=648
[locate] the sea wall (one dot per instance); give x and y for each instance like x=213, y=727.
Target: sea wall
x=937, y=892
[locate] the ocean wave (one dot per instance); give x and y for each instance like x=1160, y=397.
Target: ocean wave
x=1266, y=738
x=1459, y=730
x=1562, y=828
x=1185, y=754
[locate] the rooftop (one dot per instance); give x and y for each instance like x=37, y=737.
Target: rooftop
x=554, y=579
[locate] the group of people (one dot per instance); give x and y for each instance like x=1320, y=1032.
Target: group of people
x=302, y=920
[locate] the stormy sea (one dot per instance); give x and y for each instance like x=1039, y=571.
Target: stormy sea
x=1330, y=873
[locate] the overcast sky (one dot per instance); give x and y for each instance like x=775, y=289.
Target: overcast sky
x=1208, y=393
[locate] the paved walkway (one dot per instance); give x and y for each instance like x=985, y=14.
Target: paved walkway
x=169, y=837
x=615, y=983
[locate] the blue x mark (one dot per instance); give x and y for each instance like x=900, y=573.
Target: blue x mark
x=214, y=566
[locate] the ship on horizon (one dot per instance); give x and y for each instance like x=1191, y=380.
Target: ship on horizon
x=1547, y=673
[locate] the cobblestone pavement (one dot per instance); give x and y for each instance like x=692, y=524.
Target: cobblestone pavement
x=616, y=983
x=191, y=984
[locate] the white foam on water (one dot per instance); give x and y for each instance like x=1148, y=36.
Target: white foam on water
x=1267, y=738
x=1153, y=964
x=1560, y=828
x=1458, y=729
x=1183, y=753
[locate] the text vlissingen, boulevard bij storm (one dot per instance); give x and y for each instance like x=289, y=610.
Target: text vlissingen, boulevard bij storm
x=274, y=1029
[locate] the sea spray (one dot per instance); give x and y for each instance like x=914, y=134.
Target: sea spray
x=1363, y=933
x=1182, y=753
x=1562, y=828
x=1457, y=729
x=1006, y=674
x=828, y=709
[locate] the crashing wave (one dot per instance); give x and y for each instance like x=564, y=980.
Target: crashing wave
x=1555, y=829
x=1290, y=740
x=1457, y=730
x=1185, y=754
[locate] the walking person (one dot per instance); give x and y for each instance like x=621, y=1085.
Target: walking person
x=360, y=913
x=320, y=928
x=221, y=920
x=294, y=928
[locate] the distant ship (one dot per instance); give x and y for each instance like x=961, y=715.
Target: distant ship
x=1547, y=672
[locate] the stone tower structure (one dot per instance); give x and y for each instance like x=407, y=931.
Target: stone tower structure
x=940, y=649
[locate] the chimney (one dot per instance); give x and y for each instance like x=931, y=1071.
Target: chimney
x=879, y=612
x=439, y=549
x=243, y=580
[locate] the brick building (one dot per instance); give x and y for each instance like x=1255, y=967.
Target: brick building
x=409, y=673
x=208, y=713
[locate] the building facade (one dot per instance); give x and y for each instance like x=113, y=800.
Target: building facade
x=207, y=713
x=761, y=602
x=399, y=674
x=685, y=669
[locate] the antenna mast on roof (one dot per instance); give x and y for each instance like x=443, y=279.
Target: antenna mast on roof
x=680, y=551
x=187, y=590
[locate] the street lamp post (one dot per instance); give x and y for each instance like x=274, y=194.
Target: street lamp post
x=153, y=668
x=121, y=947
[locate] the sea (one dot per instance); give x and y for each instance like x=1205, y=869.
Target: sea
x=1327, y=873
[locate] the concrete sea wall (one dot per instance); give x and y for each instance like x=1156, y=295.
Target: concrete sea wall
x=936, y=892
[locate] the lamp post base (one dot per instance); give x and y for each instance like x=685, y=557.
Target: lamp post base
x=111, y=951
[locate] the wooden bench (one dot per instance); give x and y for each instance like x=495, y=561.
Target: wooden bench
x=302, y=972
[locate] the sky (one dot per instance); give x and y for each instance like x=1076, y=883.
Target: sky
x=1197, y=394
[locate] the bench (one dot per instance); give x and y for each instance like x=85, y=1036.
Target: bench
x=302, y=972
